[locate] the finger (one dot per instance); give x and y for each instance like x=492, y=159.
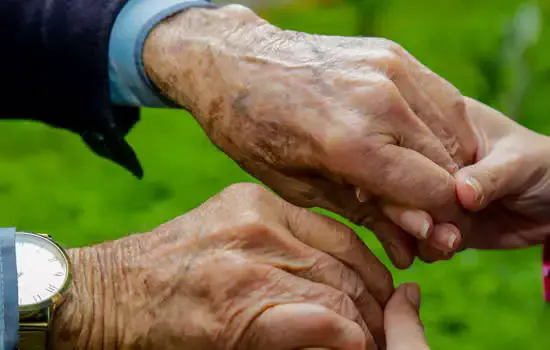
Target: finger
x=438, y=104
x=302, y=325
x=341, y=242
x=398, y=175
x=318, y=192
x=492, y=178
x=446, y=238
x=393, y=114
x=429, y=254
x=397, y=243
x=337, y=275
x=404, y=330
x=280, y=285
x=495, y=177
x=416, y=222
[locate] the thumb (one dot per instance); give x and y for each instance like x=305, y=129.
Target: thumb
x=404, y=330
x=304, y=326
x=503, y=172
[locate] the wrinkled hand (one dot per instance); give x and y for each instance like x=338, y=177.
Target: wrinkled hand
x=508, y=188
x=404, y=330
x=246, y=270
x=353, y=125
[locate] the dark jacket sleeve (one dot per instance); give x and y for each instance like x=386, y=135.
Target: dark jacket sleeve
x=54, y=60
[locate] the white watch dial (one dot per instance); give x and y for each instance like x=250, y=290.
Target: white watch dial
x=41, y=268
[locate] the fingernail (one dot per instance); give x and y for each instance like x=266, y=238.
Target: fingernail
x=452, y=240
x=413, y=294
x=425, y=228
x=361, y=197
x=476, y=187
x=415, y=223
x=453, y=168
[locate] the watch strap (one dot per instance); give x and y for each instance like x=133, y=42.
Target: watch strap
x=33, y=340
x=34, y=329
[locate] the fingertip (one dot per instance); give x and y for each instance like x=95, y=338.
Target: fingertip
x=469, y=192
x=402, y=264
x=446, y=237
x=398, y=244
x=406, y=297
x=412, y=291
x=401, y=257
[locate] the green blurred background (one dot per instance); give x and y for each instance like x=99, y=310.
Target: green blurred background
x=493, y=50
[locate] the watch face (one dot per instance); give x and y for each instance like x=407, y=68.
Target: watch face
x=42, y=268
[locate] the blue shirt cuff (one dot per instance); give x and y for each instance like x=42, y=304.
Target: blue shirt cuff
x=128, y=82
x=9, y=312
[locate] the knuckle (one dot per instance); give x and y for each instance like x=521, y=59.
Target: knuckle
x=390, y=106
x=393, y=63
x=388, y=44
x=359, y=140
x=238, y=9
x=459, y=105
x=395, y=47
x=358, y=291
x=442, y=193
x=249, y=195
x=344, y=305
x=345, y=239
x=252, y=224
x=386, y=89
x=244, y=188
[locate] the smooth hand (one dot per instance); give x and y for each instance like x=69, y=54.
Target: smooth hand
x=246, y=270
x=404, y=330
x=353, y=125
x=508, y=188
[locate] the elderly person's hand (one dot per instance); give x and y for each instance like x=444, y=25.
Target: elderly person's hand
x=246, y=270
x=353, y=125
x=404, y=330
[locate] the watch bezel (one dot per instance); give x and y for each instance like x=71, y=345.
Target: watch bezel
x=30, y=309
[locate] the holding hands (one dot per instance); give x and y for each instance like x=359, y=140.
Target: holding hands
x=353, y=125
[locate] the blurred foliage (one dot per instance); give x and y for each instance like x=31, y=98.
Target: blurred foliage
x=493, y=50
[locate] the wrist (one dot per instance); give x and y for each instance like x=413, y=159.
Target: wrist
x=90, y=317
x=186, y=55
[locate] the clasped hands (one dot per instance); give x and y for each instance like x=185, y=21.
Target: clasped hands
x=353, y=125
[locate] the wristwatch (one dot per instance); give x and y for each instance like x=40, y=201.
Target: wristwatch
x=43, y=276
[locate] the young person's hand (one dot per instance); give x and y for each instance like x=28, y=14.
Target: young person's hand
x=404, y=330
x=508, y=188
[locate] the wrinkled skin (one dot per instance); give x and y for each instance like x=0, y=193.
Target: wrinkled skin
x=246, y=270
x=510, y=195
x=353, y=125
